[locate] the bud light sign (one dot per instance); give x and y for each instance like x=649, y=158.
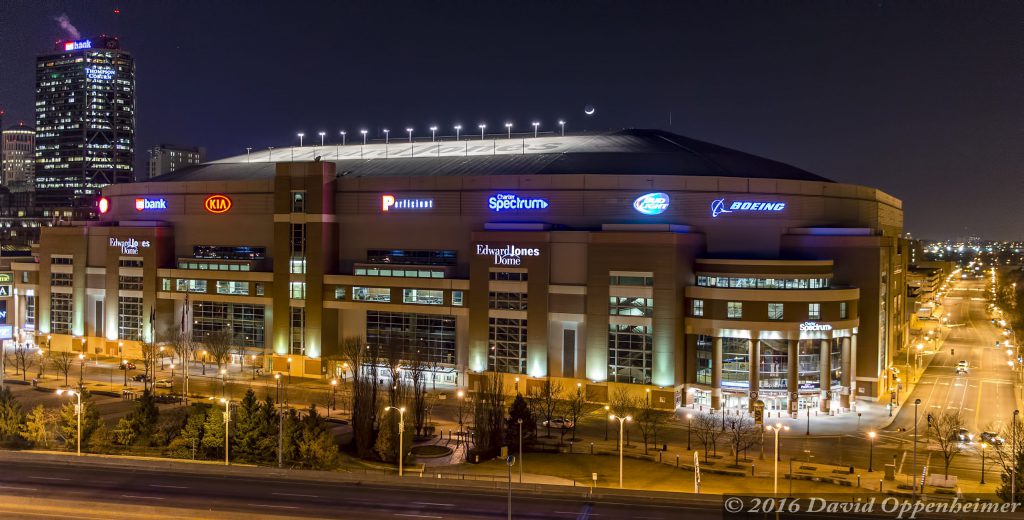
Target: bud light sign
x=651, y=203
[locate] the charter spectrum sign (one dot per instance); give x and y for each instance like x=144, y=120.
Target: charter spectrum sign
x=511, y=201
x=506, y=255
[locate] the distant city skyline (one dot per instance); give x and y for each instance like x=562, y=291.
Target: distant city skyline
x=917, y=99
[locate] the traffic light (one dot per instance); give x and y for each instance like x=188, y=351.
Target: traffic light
x=929, y=419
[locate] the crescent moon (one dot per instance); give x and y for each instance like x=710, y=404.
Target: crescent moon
x=589, y=111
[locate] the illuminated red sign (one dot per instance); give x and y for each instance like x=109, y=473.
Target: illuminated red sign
x=217, y=204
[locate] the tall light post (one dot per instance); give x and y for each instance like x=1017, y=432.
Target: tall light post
x=334, y=396
x=508, y=126
x=161, y=358
x=364, y=136
x=983, y=446
x=280, y=422
x=409, y=131
x=124, y=363
x=689, y=426
x=535, y=125
x=871, y=450
x=401, y=435
x=248, y=149
x=510, y=461
x=561, y=123
x=81, y=369
x=520, y=423
x=289, y=371
x=433, y=133
x=322, y=135
x=622, y=427
x=227, y=423
x=387, y=136
x=1013, y=474
x=458, y=128
x=301, y=135
x=776, y=427
x=78, y=413
x=223, y=382
x=461, y=395
x=343, y=135
x=607, y=410
x=482, y=126
x=913, y=472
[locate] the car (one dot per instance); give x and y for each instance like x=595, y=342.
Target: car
x=558, y=423
x=962, y=435
x=992, y=438
x=130, y=365
x=139, y=378
x=163, y=383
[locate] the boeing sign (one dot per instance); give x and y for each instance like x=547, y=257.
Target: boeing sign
x=719, y=206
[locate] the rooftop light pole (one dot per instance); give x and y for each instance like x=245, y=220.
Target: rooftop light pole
x=433, y=133
x=508, y=126
x=343, y=134
x=301, y=135
x=458, y=128
x=322, y=134
x=387, y=136
x=364, y=135
x=247, y=150
x=409, y=131
x=561, y=123
x=482, y=127
x=535, y=125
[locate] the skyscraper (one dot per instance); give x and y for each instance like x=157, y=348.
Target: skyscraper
x=85, y=124
x=166, y=158
x=18, y=145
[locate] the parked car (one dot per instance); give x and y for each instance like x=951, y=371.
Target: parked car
x=163, y=383
x=559, y=423
x=140, y=378
x=992, y=438
x=130, y=365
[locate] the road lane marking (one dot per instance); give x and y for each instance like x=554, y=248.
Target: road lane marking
x=50, y=478
x=574, y=513
x=433, y=504
x=19, y=488
x=273, y=506
x=167, y=486
x=139, y=496
x=410, y=515
x=295, y=495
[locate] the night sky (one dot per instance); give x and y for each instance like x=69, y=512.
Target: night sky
x=924, y=100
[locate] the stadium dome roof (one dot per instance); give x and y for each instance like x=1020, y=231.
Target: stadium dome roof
x=624, y=152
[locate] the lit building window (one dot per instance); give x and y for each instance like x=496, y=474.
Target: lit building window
x=630, y=354
x=775, y=311
x=507, y=342
x=814, y=311
x=734, y=310
x=698, y=308
x=423, y=296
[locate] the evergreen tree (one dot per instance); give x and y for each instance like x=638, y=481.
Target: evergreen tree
x=213, y=433
x=125, y=432
x=317, y=448
x=248, y=429
x=387, y=439
x=100, y=439
x=190, y=440
x=520, y=409
x=67, y=424
x=11, y=416
x=291, y=436
x=1004, y=490
x=38, y=425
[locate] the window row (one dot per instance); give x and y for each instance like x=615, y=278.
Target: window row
x=630, y=306
x=763, y=283
x=211, y=266
x=507, y=301
x=401, y=273
x=776, y=311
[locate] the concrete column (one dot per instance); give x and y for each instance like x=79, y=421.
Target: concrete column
x=844, y=394
x=825, y=378
x=754, y=348
x=792, y=378
x=716, y=373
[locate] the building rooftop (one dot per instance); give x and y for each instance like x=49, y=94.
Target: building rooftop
x=624, y=152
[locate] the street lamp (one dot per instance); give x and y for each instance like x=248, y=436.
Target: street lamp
x=280, y=421
x=511, y=461
x=561, y=123
x=461, y=395
x=401, y=436
x=301, y=135
x=409, y=131
x=622, y=426
x=776, y=427
x=387, y=136
x=913, y=473
x=334, y=396
x=689, y=425
x=78, y=413
x=161, y=358
x=535, y=125
x=482, y=126
x=871, y=450
x=81, y=369
x=520, y=423
x=508, y=126
x=364, y=135
x=227, y=422
x=223, y=381
x=343, y=134
x=289, y=371
x=433, y=133
x=124, y=363
x=983, y=446
x=458, y=128
x=606, y=410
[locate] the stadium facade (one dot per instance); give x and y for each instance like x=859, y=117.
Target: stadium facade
x=638, y=259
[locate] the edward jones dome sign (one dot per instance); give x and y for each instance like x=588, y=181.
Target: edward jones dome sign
x=506, y=255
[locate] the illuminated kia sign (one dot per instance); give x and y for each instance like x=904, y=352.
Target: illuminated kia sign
x=77, y=45
x=511, y=201
x=651, y=203
x=104, y=205
x=392, y=203
x=719, y=206
x=144, y=204
x=217, y=204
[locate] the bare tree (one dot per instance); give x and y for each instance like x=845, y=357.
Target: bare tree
x=647, y=419
x=219, y=344
x=62, y=362
x=545, y=399
x=23, y=359
x=149, y=352
x=741, y=434
x=183, y=345
x=417, y=377
x=944, y=429
x=574, y=406
x=706, y=428
x=363, y=361
x=623, y=403
x=489, y=414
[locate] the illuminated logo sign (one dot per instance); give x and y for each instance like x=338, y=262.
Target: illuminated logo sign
x=651, y=203
x=3, y=312
x=77, y=45
x=719, y=206
x=217, y=204
x=129, y=246
x=6, y=332
x=506, y=255
x=6, y=277
x=104, y=205
x=511, y=201
x=143, y=204
x=98, y=73
x=5, y=291
x=811, y=326
x=392, y=203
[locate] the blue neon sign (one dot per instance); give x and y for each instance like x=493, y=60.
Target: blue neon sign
x=511, y=201
x=146, y=204
x=77, y=45
x=719, y=206
x=651, y=203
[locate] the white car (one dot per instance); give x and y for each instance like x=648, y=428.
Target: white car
x=163, y=383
